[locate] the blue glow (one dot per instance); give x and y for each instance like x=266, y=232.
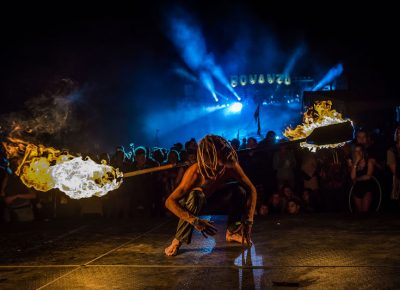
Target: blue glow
x=208, y=82
x=214, y=108
x=196, y=118
x=222, y=96
x=235, y=107
x=188, y=38
x=215, y=96
x=249, y=259
x=331, y=75
x=293, y=59
x=219, y=74
x=197, y=114
x=185, y=74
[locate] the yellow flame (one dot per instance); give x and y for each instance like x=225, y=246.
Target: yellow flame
x=45, y=168
x=319, y=115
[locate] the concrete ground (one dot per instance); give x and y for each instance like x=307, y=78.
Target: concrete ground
x=320, y=251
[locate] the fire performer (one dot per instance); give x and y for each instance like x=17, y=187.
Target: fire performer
x=217, y=163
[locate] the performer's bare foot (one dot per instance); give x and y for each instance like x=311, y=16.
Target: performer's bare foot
x=235, y=237
x=172, y=250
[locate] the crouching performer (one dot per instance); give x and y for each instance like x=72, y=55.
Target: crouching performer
x=217, y=164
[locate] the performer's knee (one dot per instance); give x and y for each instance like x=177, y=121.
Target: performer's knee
x=195, y=201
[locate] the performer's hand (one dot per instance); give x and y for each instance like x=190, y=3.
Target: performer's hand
x=205, y=227
x=246, y=234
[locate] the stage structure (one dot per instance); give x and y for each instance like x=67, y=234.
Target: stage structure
x=259, y=87
x=271, y=88
x=272, y=99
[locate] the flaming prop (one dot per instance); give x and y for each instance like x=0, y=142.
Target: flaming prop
x=319, y=115
x=45, y=168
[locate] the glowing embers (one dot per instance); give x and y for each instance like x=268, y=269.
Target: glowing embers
x=45, y=168
x=319, y=115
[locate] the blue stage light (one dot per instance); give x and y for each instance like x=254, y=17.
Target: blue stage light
x=235, y=107
x=329, y=77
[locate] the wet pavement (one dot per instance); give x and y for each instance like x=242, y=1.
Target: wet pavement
x=320, y=251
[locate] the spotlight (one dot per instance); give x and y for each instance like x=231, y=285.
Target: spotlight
x=236, y=95
x=235, y=107
x=215, y=96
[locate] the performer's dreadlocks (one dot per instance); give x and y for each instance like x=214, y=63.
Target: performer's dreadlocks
x=212, y=147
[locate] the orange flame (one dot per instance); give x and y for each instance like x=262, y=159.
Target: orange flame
x=319, y=115
x=45, y=168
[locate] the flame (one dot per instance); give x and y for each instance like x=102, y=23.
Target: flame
x=45, y=168
x=80, y=178
x=319, y=115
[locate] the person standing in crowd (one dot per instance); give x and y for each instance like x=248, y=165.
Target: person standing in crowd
x=361, y=171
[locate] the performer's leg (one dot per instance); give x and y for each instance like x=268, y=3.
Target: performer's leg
x=193, y=203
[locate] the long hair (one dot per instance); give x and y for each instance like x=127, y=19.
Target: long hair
x=363, y=151
x=211, y=149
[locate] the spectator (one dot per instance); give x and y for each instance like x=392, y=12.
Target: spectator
x=293, y=206
x=361, y=171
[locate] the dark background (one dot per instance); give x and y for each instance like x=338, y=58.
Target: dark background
x=122, y=62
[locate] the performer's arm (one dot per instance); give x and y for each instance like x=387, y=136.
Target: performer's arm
x=370, y=171
x=187, y=183
x=242, y=178
x=353, y=171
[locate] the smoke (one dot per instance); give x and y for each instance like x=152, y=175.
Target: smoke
x=188, y=39
x=46, y=115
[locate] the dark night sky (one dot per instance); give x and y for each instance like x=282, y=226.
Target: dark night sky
x=119, y=58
